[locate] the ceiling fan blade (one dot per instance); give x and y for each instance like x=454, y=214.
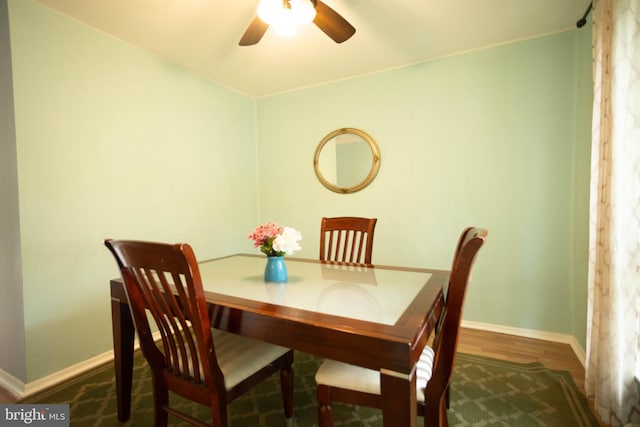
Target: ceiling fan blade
x=254, y=32
x=332, y=24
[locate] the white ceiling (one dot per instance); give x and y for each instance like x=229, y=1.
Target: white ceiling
x=203, y=35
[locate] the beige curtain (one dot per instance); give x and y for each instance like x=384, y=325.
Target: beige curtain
x=613, y=331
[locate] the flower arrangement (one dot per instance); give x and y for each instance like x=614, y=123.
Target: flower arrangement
x=275, y=240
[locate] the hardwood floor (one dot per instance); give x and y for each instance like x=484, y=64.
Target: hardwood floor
x=513, y=348
x=556, y=356
x=500, y=346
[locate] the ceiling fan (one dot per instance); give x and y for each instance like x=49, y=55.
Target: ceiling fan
x=327, y=19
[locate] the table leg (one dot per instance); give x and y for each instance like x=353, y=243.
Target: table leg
x=399, y=406
x=123, y=335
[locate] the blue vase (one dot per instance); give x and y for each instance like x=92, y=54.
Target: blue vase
x=275, y=270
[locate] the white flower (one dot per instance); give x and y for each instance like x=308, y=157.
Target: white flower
x=287, y=241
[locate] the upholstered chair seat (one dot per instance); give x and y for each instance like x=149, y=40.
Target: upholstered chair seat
x=343, y=375
x=240, y=357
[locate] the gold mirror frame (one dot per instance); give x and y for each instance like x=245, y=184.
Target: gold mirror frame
x=375, y=164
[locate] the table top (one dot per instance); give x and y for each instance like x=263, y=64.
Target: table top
x=372, y=294
x=381, y=303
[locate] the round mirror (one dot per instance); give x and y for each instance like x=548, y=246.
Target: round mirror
x=346, y=160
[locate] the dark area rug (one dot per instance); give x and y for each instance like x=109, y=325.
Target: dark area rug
x=485, y=392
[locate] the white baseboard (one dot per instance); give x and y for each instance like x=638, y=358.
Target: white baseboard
x=21, y=390
x=36, y=386
x=531, y=333
x=13, y=385
x=67, y=373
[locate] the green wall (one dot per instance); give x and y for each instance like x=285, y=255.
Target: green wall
x=489, y=138
x=112, y=141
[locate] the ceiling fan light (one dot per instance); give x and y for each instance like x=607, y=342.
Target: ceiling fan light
x=268, y=10
x=303, y=10
x=285, y=15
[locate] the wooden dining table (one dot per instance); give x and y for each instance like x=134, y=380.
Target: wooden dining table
x=378, y=317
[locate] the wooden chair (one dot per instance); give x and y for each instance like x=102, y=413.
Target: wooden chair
x=347, y=239
x=341, y=382
x=206, y=365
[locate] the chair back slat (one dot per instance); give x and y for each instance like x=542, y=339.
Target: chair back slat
x=446, y=340
x=347, y=239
